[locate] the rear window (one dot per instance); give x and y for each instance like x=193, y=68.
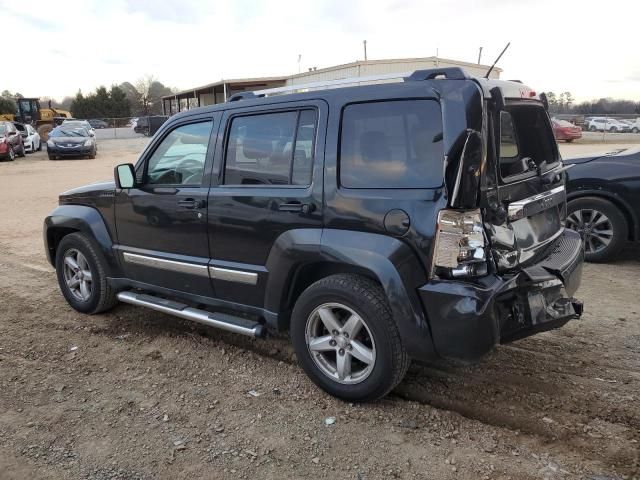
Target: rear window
x=525, y=140
x=391, y=144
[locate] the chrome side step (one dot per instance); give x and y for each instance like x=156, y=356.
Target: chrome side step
x=222, y=321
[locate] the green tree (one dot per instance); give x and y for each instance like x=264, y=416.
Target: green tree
x=7, y=105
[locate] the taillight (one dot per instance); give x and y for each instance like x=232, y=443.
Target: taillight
x=460, y=245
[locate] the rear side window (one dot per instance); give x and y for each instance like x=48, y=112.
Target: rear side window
x=271, y=149
x=392, y=144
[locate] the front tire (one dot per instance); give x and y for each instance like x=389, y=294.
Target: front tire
x=82, y=277
x=346, y=339
x=602, y=226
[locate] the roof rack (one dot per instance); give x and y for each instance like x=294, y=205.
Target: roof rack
x=243, y=96
x=451, y=73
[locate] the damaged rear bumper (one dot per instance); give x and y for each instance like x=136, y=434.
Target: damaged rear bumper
x=468, y=319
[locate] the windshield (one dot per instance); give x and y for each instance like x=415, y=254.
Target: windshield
x=3, y=129
x=69, y=132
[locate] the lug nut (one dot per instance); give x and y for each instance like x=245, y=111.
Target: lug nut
x=346, y=335
x=341, y=351
x=332, y=343
x=335, y=332
x=350, y=347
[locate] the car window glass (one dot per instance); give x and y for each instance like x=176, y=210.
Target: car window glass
x=391, y=144
x=508, y=143
x=180, y=157
x=268, y=149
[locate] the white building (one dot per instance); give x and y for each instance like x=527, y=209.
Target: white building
x=218, y=92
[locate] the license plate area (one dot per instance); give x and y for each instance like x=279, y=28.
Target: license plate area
x=548, y=302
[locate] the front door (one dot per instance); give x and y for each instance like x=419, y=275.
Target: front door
x=162, y=224
x=269, y=184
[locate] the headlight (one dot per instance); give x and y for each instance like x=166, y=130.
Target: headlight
x=460, y=245
x=87, y=143
x=50, y=143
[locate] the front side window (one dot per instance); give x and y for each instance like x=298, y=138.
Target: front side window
x=392, y=144
x=271, y=149
x=180, y=158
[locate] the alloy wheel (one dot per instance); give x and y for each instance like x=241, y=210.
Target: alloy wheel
x=340, y=343
x=594, y=226
x=77, y=275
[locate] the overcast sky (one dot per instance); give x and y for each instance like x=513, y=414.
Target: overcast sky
x=591, y=48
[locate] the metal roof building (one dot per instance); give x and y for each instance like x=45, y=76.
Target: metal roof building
x=218, y=92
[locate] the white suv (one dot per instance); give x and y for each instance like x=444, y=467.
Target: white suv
x=601, y=124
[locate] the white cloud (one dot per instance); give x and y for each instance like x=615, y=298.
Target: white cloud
x=587, y=47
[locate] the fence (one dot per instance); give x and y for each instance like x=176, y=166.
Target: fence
x=125, y=127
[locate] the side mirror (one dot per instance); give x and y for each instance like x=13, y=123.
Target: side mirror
x=125, y=176
x=91, y=134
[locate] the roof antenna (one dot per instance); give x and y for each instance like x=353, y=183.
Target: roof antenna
x=497, y=60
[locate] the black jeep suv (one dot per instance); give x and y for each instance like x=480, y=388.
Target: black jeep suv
x=377, y=223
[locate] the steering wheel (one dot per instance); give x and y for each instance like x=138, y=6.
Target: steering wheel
x=192, y=169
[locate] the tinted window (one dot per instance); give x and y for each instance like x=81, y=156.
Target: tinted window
x=69, y=132
x=180, y=158
x=271, y=149
x=395, y=144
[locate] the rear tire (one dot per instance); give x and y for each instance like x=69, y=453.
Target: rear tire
x=602, y=225
x=11, y=155
x=40, y=146
x=375, y=358
x=90, y=268
x=569, y=140
x=635, y=130
x=592, y=128
x=22, y=152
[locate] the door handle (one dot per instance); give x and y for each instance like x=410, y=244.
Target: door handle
x=296, y=207
x=191, y=203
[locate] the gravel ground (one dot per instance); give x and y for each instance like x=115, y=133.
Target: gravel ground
x=134, y=394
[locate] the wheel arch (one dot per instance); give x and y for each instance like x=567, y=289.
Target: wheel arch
x=622, y=205
x=300, y=258
x=68, y=219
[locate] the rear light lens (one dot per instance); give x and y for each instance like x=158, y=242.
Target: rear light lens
x=460, y=245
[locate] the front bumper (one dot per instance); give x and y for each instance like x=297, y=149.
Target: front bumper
x=69, y=151
x=468, y=319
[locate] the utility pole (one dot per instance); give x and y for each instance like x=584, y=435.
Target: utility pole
x=479, y=55
x=365, y=50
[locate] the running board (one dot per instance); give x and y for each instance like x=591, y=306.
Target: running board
x=222, y=321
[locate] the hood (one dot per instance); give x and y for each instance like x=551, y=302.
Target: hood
x=91, y=190
x=620, y=152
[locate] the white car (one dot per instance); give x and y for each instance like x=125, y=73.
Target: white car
x=30, y=137
x=606, y=124
x=635, y=125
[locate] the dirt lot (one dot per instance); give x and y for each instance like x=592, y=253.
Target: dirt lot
x=133, y=394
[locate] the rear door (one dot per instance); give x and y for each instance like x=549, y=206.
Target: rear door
x=532, y=197
x=269, y=184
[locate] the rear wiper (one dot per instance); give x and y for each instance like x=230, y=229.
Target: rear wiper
x=552, y=175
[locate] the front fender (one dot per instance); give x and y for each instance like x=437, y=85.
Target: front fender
x=79, y=218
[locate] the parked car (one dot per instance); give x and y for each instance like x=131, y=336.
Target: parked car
x=75, y=123
x=10, y=142
x=634, y=125
x=566, y=131
x=604, y=201
x=30, y=137
x=148, y=126
x=373, y=227
x=71, y=141
x=97, y=123
x=610, y=125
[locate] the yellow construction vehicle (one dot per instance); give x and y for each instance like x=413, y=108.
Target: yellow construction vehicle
x=44, y=120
